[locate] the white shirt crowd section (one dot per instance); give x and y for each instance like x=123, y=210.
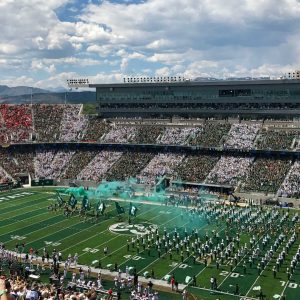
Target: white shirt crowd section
x=229, y=170
x=50, y=164
x=120, y=134
x=178, y=136
x=99, y=166
x=242, y=136
x=161, y=164
x=291, y=184
x=72, y=124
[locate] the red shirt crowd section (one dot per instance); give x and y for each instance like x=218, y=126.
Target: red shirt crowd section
x=15, y=123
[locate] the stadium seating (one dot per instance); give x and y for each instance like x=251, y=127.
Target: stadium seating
x=177, y=135
x=47, y=120
x=129, y=165
x=266, y=175
x=95, y=129
x=50, y=163
x=120, y=134
x=73, y=123
x=16, y=122
x=211, y=135
x=147, y=134
x=229, y=170
x=277, y=140
x=161, y=164
x=4, y=176
x=242, y=136
x=291, y=185
x=78, y=162
x=99, y=166
x=51, y=123
x=195, y=168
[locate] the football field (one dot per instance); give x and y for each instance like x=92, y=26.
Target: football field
x=25, y=218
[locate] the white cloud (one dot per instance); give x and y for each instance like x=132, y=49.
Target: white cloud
x=160, y=44
x=18, y=81
x=174, y=37
x=167, y=58
x=6, y=48
x=102, y=50
x=165, y=71
x=136, y=55
x=124, y=64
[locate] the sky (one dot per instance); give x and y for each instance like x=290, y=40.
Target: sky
x=45, y=42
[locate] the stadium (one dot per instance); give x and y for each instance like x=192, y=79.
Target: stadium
x=171, y=188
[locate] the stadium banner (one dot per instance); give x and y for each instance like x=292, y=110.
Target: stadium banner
x=42, y=182
x=101, y=207
x=120, y=209
x=132, y=210
x=72, y=201
x=59, y=199
x=4, y=186
x=85, y=203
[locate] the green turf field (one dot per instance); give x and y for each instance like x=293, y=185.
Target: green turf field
x=25, y=218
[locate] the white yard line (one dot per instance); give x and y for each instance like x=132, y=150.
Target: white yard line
x=15, y=216
x=22, y=202
x=66, y=228
x=16, y=222
x=55, y=224
x=224, y=293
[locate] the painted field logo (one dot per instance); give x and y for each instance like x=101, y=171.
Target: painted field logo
x=138, y=229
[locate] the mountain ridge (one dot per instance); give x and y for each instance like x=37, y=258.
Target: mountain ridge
x=6, y=91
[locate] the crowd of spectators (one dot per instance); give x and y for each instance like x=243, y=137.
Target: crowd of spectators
x=195, y=168
x=64, y=122
x=129, y=165
x=47, y=120
x=16, y=122
x=161, y=164
x=147, y=134
x=95, y=129
x=120, y=134
x=49, y=163
x=291, y=184
x=277, y=140
x=58, y=122
x=78, y=162
x=26, y=280
x=229, y=170
x=3, y=135
x=73, y=123
x=211, y=135
x=24, y=158
x=177, y=135
x=99, y=166
x=266, y=175
x=4, y=176
x=18, y=160
x=8, y=163
x=242, y=136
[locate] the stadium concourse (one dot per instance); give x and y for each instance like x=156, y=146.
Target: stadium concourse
x=203, y=247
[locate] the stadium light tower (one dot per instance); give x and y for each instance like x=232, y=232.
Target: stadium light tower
x=77, y=83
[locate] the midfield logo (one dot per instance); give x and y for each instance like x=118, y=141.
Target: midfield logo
x=136, y=229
